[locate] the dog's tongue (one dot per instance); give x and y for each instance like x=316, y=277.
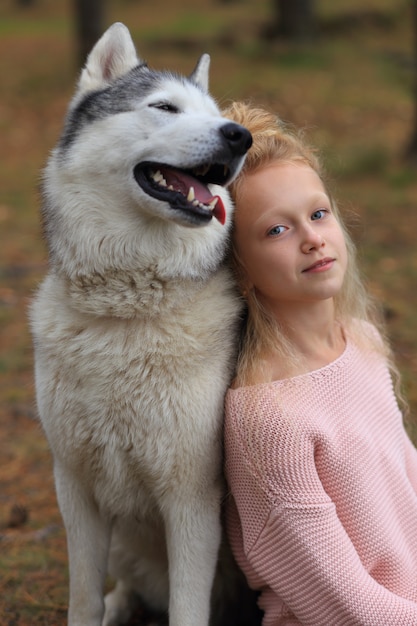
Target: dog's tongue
x=182, y=182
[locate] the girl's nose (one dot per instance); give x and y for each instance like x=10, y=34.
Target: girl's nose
x=312, y=240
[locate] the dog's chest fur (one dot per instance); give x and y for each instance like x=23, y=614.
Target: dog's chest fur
x=135, y=391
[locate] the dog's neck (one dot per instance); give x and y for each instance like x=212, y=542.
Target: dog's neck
x=129, y=294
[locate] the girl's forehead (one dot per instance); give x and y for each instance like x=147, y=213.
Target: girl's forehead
x=283, y=168
x=276, y=183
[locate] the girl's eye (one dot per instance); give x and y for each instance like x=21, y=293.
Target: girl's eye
x=277, y=230
x=319, y=214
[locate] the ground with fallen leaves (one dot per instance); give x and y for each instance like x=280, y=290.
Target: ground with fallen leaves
x=352, y=91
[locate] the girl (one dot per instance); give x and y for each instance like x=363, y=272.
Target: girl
x=322, y=515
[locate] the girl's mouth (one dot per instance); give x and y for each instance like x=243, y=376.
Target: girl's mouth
x=320, y=266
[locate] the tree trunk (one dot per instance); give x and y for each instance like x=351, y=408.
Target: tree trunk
x=293, y=19
x=89, y=26
x=411, y=150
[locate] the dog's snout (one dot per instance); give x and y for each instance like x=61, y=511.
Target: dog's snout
x=238, y=137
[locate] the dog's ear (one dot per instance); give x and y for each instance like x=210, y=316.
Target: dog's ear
x=200, y=74
x=113, y=55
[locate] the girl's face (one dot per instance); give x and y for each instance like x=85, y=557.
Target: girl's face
x=289, y=241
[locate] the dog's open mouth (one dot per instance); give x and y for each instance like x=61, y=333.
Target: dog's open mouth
x=185, y=190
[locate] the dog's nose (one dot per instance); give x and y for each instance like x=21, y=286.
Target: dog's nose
x=238, y=138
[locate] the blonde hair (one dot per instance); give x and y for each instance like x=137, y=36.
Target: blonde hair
x=274, y=141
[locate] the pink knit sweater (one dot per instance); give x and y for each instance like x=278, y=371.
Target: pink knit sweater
x=322, y=516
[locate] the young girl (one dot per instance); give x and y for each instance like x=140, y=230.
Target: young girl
x=322, y=515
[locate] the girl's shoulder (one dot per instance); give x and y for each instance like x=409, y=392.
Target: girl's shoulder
x=280, y=380
x=364, y=354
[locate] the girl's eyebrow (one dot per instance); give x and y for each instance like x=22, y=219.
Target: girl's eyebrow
x=265, y=217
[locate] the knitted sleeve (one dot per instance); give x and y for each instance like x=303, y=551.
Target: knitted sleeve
x=306, y=558
x=411, y=461
x=292, y=540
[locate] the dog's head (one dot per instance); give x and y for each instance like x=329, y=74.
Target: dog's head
x=156, y=136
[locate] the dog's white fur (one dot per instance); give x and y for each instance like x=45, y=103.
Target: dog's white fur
x=134, y=332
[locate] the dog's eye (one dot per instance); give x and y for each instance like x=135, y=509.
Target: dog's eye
x=165, y=106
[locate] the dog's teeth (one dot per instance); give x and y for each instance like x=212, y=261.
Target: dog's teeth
x=171, y=188
x=191, y=194
x=158, y=178
x=196, y=202
x=202, y=170
x=213, y=203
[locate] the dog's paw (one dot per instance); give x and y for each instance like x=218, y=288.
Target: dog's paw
x=119, y=606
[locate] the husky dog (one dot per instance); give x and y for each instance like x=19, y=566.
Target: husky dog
x=134, y=333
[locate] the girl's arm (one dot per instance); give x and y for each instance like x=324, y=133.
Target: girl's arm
x=305, y=556
x=411, y=461
x=292, y=540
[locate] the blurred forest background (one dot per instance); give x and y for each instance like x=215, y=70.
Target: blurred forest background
x=345, y=71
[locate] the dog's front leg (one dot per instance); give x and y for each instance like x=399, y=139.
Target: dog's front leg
x=193, y=538
x=88, y=539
